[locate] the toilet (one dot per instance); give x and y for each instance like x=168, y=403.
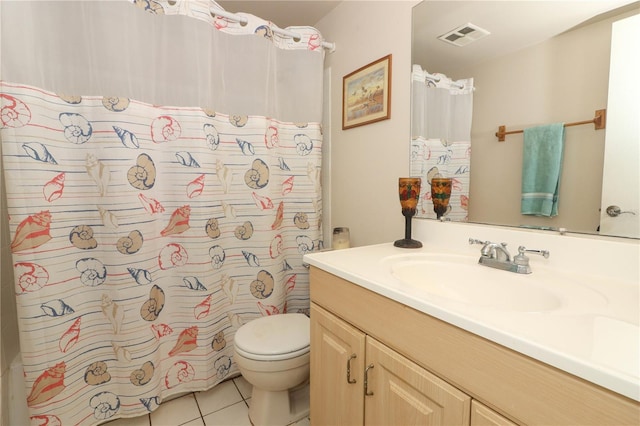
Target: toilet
x=272, y=353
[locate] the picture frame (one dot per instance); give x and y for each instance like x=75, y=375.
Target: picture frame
x=366, y=94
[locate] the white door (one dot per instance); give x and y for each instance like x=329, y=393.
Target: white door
x=621, y=177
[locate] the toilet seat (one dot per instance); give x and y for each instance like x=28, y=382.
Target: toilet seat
x=274, y=338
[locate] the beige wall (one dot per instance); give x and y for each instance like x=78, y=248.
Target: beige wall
x=366, y=161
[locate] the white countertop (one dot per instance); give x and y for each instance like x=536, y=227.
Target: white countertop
x=595, y=337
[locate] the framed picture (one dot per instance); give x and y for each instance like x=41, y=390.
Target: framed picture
x=366, y=94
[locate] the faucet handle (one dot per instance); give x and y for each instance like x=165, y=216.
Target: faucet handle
x=475, y=241
x=522, y=250
x=522, y=259
x=485, y=245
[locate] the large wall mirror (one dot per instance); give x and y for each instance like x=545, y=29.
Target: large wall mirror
x=543, y=62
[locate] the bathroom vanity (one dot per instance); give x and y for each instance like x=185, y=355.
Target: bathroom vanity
x=382, y=352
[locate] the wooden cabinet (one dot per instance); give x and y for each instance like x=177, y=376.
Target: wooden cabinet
x=421, y=364
x=357, y=380
x=399, y=392
x=337, y=394
x=485, y=416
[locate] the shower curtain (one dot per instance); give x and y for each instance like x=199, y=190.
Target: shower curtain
x=163, y=183
x=441, y=111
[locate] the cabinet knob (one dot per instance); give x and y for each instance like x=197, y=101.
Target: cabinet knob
x=349, y=379
x=366, y=380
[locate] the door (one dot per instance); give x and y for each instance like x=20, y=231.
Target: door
x=336, y=393
x=401, y=392
x=621, y=175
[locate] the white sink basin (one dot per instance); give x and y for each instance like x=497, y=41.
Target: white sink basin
x=460, y=279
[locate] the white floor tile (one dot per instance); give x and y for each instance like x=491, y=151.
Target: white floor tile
x=194, y=422
x=235, y=415
x=244, y=387
x=132, y=421
x=218, y=397
x=176, y=412
x=303, y=422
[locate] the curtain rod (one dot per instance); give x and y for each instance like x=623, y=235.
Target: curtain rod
x=331, y=47
x=437, y=79
x=599, y=122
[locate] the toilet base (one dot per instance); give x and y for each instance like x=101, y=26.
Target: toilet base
x=279, y=408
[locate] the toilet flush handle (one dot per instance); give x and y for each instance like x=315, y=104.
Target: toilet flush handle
x=349, y=379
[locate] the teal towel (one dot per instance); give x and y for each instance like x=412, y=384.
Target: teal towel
x=541, y=169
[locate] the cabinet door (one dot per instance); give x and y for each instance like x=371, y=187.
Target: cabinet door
x=485, y=416
x=336, y=397
x=406, y=394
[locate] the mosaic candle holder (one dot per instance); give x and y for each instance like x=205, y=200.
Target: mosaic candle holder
x=440, y=195
x=409, y=191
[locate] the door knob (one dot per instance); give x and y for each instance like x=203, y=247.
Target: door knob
x=615, y=211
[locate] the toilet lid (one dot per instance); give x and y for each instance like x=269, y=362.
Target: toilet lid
x=275, y=336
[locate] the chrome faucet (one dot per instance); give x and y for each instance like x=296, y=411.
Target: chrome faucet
x=496, y=251
x=496, y=255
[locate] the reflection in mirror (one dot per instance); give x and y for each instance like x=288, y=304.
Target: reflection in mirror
x=523, y=78
x=441, y=112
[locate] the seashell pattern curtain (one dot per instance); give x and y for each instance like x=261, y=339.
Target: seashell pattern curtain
x=441, y=114
x=153, y=209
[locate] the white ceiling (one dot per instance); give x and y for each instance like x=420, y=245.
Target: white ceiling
x=283, y=13
x=513, y=25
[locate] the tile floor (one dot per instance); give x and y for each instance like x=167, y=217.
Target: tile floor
x=226, y=404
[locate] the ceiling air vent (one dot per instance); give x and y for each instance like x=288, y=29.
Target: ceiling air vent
x=464, y=35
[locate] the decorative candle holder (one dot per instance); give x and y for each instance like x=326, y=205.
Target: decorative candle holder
x=409, y=191
x=440, y=195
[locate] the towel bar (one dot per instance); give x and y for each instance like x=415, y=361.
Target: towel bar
x=599, y=122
